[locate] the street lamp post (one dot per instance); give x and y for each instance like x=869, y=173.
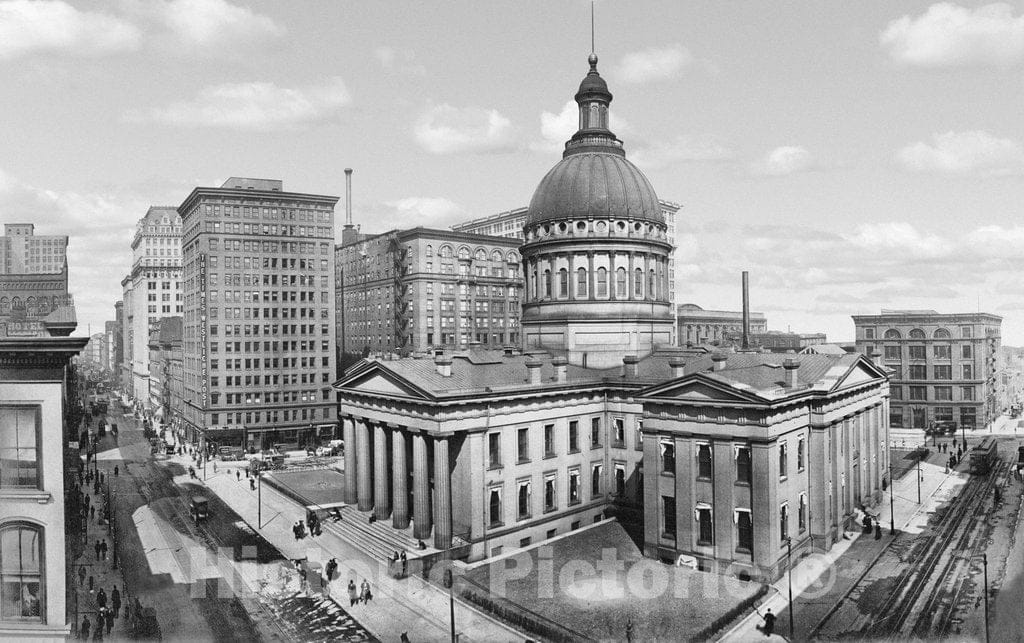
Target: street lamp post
x=259, y=499
x=449, y=582
x=789, y=575
x=984, y=565
x=919, y=481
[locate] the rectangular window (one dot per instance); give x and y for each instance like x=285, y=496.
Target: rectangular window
x=639, y=435
x=943, y=372
x=896, y=417
x=523, y=500
x=918, y=393
x=523, y=445
x=784, y=521
x=21, y=573
x=574, y=486
x=705, y=526
x=19, y=447
x=668, y=512
x=967, y=371
x=869, y=333
x=966, y=332
x=802, y=513
x=549, y=440
x=800, y=454
x=918, y=372
x=783, y=460
x=941, y=351
x=550, y=493
x=704, y=461
x=967, y=393
x=896, y=392
x=668, y=457
x=494, y=449
x=574, y=436
x=943, y=393
x=743, y=473
x=967, y=351
x=595, y=480
x=619, y=425
x=744, y=531
x=892, y=353
x=917, y=352
x=595, y=432
x=494, y=506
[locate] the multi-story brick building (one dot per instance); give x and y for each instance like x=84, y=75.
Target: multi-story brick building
x=258, y=337
x=699, y=326
x=946, y=367
x=164, y=351
x=152, y=290
x=420, y=289
x=23, y=252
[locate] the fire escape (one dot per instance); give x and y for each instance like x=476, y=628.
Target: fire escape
x=400, y=302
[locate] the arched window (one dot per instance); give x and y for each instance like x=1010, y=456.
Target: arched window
x=621, y=289
x=892, y=333
x=941, y=333
x=5, y=305
x=652, y=284
x=430, y=250
x=463, y=252
x=21, y=572
x=638, y=283
x=496, y=255
x=481, y=254
x=917, y=333
x=602, y=282
x=445, y=252
x=513, y=258
x=581, y=282
x=547, y=283
x=535, y=286
x=563, y=283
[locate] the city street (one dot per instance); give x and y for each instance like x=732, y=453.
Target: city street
x=172, y=563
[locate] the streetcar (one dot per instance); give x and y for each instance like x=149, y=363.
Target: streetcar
x=984, y=456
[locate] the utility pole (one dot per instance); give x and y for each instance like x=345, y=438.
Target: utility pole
x=984, y=563
x=259, y=499
x=918, y=481
x=892, y=503
x=789, y=574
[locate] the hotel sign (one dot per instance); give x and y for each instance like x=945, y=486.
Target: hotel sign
x=204, y=368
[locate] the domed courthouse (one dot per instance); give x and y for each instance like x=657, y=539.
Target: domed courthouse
x=719, y=458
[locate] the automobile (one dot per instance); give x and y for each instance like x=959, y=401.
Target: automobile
x=199, y=508
x=941, y=427
x=231, y=453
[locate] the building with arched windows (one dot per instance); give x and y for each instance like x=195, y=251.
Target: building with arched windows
x=946, y=367
x=721, y=459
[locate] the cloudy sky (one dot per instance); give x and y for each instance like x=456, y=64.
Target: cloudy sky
x=851, y=156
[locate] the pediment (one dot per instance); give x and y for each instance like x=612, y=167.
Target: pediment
x=379, y=382
x=856, y=375
x=702, y=391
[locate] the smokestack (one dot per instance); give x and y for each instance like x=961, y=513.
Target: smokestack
x=630, y=366
x=443, y=365
x=678, y=366
x=746, y=310
x=561, y=369
x=348, y=197
x=790, y=367
x=533, y=370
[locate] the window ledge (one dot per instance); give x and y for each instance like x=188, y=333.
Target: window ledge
x=574, y=450
x=574, y=502
x=668, y=474
x=705, y=543
x=496, y=525
x=522, y=461
x=549, y=456
x=742, y=483
x=42, y=497
x=549, y=510
x=495, y=467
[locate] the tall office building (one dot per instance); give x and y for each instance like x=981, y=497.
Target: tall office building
x=258, y=340
x=423, y=289
x=946, y=367
x=698, y=326
x=155, y=285
x=22, y=252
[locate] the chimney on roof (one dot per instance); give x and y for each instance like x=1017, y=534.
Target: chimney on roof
x=443, y=364
x=630, y=366
x=533, y=370
x=677, y=364
x=718, y=361
x=746, y=310
x=876, y=358
x=791, y=366
x=561, y=369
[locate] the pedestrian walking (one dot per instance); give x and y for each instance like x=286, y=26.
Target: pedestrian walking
x=405, y=562
x=103, y=549
x=252, y=484
x=101, y=599
x=97, y=548
x=98, y=636
x=115, y=470
x=110, y=620
x=92, y=583
x=238, y=475
x=878, y=530
x=81, y=575
x=769, y=622
x=115, y=601
x=365, y=594
x=92, y=512
x=83, y=632
x=353, y=596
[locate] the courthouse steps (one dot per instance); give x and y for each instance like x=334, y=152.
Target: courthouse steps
x=378, y=539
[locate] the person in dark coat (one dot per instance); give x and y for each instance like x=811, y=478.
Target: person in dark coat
x=101, y=598
x=103, y=549
x=252, y=484
x=110, y=620
x=81, y=575
x=92, y=512
x=115, y=601
x=405, y=562
x=769, y=622
x=878, y=530
x=353, y=596
x=97, y=548
x=83, y=632
x=365, y=594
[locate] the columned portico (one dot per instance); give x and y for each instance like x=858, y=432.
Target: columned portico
x=420, y=487
x=381, y=496
x=349, y=432
x=443, y=495
x=364, y=492
x=399, y=480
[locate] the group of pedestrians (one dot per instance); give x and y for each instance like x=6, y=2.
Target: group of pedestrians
x=399, y=564
x=101, y=549
x=105, y=614
x=360, y=595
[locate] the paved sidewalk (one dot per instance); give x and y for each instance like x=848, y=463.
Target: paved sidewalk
x=820, y=581
x=410, y=605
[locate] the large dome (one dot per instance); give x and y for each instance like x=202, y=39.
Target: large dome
x=594, y=184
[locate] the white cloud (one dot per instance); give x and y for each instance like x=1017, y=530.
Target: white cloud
x=423, y=210
x=201, y=23
x=445, y=129
x=654, y=63
x=53, y=26
x=901, y=237
x=950, y=35
x=783, y=161
x=392, y=59
x=253, y=106
x=682, y=149
x=964, y=153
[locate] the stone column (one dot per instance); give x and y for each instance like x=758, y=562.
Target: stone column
x=443, y=494
x=631, y=278
x=648, y=291
x=590, y=276
x=349, y=431
x=381, y=497
x=364, y=492
x=420, y=487
x=572, y=276
x=613, y=277
x=399, y=480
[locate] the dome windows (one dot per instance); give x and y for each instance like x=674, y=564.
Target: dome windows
x=602, y=282
x=581, y=282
